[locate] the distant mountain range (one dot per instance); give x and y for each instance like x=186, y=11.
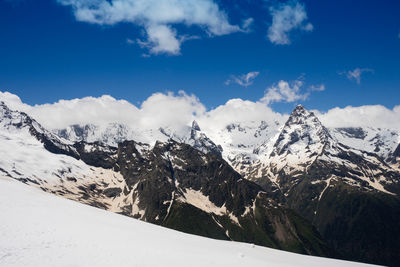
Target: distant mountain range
x=297, y=186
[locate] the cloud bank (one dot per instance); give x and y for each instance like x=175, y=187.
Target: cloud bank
x=157, y=18
x=287, y=17
x=376, y=116
x=179, y=110
x=159, y=110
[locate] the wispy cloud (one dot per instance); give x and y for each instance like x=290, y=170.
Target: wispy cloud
x=318, y=88
x=287, y=17
x=247, y=24
x=356, y=74
x=244, y=79
x=158, y=18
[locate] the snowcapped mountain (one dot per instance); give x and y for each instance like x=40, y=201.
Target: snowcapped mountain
x=322, y=179
x=243, y=144
x=115, y=133
x=111, y=134
x=382, y=142
x=169, y=183
x=33, y=155
x=19, y=122
x=281, y=185
x=304, y=142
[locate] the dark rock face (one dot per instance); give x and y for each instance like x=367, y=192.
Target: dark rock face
x=162, y=178
x=394, y=158
x=159, y=180
x=77, y=130
x=397, y=152
x=360, y=225
x=354, y=132
x=96, y=154
x=112, y=192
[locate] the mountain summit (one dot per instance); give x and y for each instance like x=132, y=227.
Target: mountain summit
x=302, y=134
x=200, y=141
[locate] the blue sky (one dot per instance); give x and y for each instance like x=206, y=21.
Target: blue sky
x=47, y=53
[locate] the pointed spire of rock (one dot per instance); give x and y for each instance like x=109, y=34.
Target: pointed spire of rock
x=195, y=126
x=194, y=130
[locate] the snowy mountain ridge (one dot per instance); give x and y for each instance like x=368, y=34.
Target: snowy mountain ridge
x=290, y=176
x=165, y=184
x=241, y=143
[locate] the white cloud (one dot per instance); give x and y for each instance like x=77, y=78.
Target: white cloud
x=363, y=116
x=318, y=88
x=13, y=101
x=356, y=74
x=161, y=39
x=244, y=79
x=157, y=17
x=237, y=111
x=157, y=111
x=161, y=110
x=287, y=92
x=179, y=110
x=286, y=18
x=284, y=92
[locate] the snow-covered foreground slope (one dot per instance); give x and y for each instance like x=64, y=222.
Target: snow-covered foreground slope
x=40, y=229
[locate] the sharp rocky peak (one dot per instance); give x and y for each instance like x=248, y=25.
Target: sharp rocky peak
x=194, y=130
x=200, y=141
x=302, y=128
x=300, y=115
x=195, y=126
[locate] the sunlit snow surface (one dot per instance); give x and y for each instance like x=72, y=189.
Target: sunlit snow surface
x=40, y=229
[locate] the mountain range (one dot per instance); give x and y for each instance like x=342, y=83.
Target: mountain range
x=296, y=186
